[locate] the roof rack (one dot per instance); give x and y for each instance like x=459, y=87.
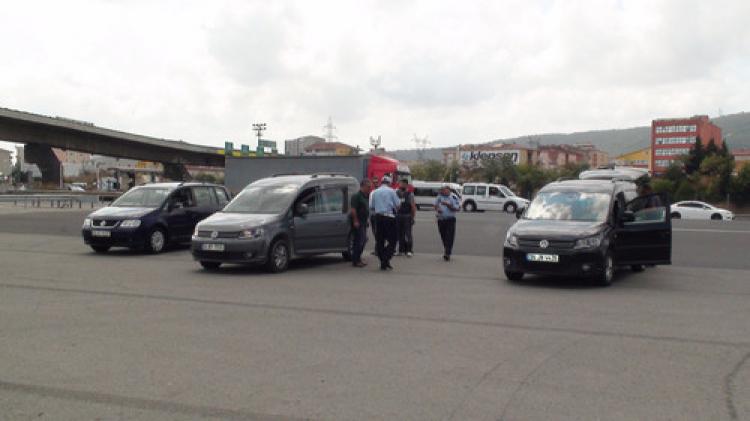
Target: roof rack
x=331, y=174
x=281, y=174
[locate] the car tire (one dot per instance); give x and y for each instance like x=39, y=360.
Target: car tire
x=510, y=207
x=608, y=271
x=100, y=249
x=637, y=268
x=470, y=207
x=676, y=215
x=716, y=217
x=513, y=276
x=278, y=256
x=156, y=241
x=347, y=255
x=210, y=265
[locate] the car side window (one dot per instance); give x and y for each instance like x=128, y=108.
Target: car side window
x=332, y=200
x=221, y=196
x=646, y=209
x=494, y=191
x=204, y=197
x=469, y=190
x=311, y=198
x=183, y=198
x=481, y=190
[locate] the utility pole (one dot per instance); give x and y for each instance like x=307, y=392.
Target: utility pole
x=259, y=129
x=329, y=128
x=421, y=145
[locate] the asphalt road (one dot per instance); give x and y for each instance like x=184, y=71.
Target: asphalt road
x=131, y=336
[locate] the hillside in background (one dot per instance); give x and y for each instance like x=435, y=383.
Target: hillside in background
x=735, y=128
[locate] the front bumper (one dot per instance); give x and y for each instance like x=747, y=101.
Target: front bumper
x=118, y=237
x=235, y=250
x=579, y=263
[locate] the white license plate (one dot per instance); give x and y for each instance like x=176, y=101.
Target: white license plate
x=99, y=233
x=547, y=258
x=212, y=247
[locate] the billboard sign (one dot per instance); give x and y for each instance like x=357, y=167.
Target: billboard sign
x=478, y=155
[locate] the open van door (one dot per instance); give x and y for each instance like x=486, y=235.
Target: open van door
x=644, y=232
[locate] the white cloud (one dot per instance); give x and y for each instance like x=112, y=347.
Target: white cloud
x=456, y=71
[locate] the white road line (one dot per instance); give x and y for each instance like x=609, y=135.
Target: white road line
x=709, y=230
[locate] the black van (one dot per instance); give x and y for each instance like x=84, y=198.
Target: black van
x=151, y=216
x=587, y=228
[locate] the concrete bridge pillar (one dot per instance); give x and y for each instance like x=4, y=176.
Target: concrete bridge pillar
x=44, y=158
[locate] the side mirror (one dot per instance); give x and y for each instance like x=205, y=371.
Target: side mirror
x=628, y=216
x=302, y=209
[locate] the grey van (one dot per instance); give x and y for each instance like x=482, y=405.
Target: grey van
x=277, y=219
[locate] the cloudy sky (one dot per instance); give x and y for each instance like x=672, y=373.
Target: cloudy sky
x=455, y=71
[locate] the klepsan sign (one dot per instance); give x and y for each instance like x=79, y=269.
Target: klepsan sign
x=480, y=155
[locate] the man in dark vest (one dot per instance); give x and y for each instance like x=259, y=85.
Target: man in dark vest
x=405, y=219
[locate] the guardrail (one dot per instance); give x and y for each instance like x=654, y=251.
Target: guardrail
x=54, y=200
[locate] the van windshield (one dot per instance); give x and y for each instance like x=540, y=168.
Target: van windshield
x=507, y=191
x=263, y=199
x=569, y=206
x=142, y=197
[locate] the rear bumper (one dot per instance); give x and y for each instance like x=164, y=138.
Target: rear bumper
x=579, y=263
x=235, y=250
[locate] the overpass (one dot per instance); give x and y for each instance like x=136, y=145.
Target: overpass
x=42, y=133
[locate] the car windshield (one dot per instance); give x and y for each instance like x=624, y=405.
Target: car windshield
x=263, y=199
x=142, y=197
x=569, y=206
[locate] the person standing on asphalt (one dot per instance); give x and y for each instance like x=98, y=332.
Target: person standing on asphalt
x=446, y=206
x=405, y=219
x=360, y=215
x=373, y=225
x=384, y=203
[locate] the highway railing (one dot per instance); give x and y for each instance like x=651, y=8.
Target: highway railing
x=56, y=200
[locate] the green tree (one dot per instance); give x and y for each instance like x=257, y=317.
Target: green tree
x=431, y=170
x=531, y=178
x=453, y=173
x=664, y=185
x=501, y=170
x=711, y=149
x=739, y=190
x=724, y=149
x=685, y=191
x=674, y=173
x=695, y=157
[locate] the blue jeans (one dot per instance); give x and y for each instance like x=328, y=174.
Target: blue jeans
x=360, y=239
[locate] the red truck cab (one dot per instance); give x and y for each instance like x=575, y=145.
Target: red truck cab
x=380, y=166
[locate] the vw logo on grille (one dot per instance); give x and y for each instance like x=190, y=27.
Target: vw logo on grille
x=214, y=234
x=102, y=223
x=544, y=244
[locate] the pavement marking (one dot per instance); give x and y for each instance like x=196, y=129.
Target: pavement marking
x=710, y=230
x=384, y=316
x=139, y=403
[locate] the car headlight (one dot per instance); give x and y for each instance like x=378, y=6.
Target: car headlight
x=589, y=242
x=87, y=223
x=252, y=233
x=130, y=223
x=195, y=232
x=511, y=240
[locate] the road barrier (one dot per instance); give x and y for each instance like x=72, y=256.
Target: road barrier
x=54, y=200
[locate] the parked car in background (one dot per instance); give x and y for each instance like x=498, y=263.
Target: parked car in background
x=483, y=196
x=691, y=209
x=277, y=219
x=425, y=192
x=587, y=228
x=151, y=216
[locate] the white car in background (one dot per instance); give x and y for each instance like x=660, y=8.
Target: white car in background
x=425, y=192
x=483, y=196
x=691, y=209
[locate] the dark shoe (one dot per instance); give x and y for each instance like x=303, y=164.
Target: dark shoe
x=359, y=264
x=446, y=257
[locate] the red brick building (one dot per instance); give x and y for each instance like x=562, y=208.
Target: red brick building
x=674, y=137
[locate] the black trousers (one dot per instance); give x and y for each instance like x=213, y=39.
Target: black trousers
x=385, y=232
x=360, y=239
x=447, y=228
x=405, y=239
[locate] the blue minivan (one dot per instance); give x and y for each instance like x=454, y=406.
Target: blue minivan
x=151, y=216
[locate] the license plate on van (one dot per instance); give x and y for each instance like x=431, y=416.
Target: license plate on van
x=212, y=247
x=546, y=258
